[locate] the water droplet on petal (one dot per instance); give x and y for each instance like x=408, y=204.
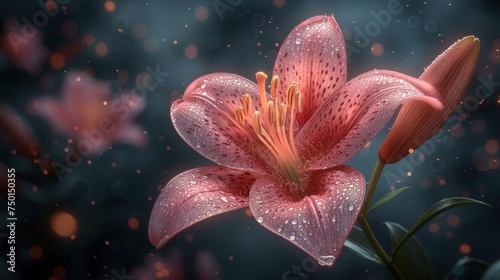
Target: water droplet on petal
x=198, y=145
x=326, y=260
x=203, y=86
x=260, y=219
x=267, y=211
x=333, y=219
x=279, y=229
x=297, y=41
x=351, y=207
x=292, y=237
x=223, y=198
x=294, y=222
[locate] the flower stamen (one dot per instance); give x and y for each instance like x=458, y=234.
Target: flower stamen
x=271, y=128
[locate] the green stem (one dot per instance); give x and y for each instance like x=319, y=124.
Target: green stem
x=365, y=226
x=377, y=171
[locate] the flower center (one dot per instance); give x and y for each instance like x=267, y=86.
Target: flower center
x=272, y=124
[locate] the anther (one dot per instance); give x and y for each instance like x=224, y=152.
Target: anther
x=274, y=86
x=272, y=113
x=290, y=94
x=298, y=98
x=238, y=113
x=257, y=125
x=246, y=101
x=281, y=114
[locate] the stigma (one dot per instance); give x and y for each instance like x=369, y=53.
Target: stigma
x=274, y=126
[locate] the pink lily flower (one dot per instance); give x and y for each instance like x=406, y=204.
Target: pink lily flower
x=91, y=115
x=282, y=153
x=416, y=122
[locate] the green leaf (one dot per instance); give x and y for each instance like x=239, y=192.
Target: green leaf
x=466, y=261
x=411, y=260
x=386, y=198
x=493, y=273
x=358, y=245
x=436, y=209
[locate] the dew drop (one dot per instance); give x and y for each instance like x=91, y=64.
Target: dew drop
x=297, y=41
x=326, y=260
x=333, y=219
x=286, y=221
x=223, y=198
x=292, y=237
x=203, y=86
x=260, y=219
x=351, y=207
x=294, y=222
x=198, y=145
x=279, y=229
x=267, y=211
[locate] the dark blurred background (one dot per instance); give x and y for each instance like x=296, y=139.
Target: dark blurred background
x=103, y=205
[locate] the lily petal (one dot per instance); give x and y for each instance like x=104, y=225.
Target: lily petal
x=205, y=119
x=450, y=73
x=195, y=195
x=55, y=113
x=320, y=222
x=79, y=87
x=313, y=55
x=351, y=117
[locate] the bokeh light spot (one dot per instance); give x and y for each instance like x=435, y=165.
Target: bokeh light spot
x=201, y=13
x=63, y=224
x=492, y=146
x=57, y=61
x=480, y=159
x=89, y=39
x=109, y=6
x=35, y=252
x=465, y=248
x=377, y=49
x=279, y=3
x=433, y=227
x=59, y=272
x=133, y=223
x=453, y=220
x=191, y=51
x=101, y=49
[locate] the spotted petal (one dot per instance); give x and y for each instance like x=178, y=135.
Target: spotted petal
x=195, y=195
x=351, y=117
x=313, y=55
x=205, y=119
x=320, y=222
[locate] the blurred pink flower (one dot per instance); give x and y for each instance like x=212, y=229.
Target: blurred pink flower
x=93, y=117
x=282, y=154
x=158, y=267
x=19, y=133
x=27, y=53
